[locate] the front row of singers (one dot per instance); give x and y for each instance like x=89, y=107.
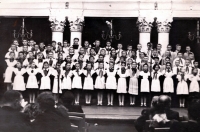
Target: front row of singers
x=122, y=80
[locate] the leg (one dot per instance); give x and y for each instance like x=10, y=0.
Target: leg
x=142, y=103
x=131, y=99
x=119, y=98
x=78, y=97
x=108, y=98
x=89, y=99
x=98, y=98
x=111, y=98
x=145, y=101
x=183, y=102
x=33, y=98
x=122, y=99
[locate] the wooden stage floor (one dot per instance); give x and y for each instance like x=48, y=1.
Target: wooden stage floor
x=119, y=113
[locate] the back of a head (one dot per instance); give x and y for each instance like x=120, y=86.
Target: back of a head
x=11, y=96
x=154, y=101
x=67, y=98
x=46, y=101
x=194, y=110
x=164, y=102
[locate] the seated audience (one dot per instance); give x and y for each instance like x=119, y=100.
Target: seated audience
x=11, y=119
x=67, y=100
x=50, y=119
x=159, y=112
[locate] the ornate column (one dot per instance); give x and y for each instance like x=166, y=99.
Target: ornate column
x=76, y=28
x=57, y=27
x=144, y=25
x=163, y=28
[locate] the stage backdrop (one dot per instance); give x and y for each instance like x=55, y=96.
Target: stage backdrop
x=91, y=31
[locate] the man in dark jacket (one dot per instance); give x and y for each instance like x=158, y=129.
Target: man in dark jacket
x=163, y=106
x=11, y=119
x=51, y=119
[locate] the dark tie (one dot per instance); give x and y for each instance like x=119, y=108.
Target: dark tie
x=177, y=70
x=45, y=72
x=159, y=52
x=32, y=71
x=50, y=62
x=77, y=72
x=187, y=69
x=101, y=73
x=155, y=75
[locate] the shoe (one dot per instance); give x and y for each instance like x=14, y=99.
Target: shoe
x=142, y=104
x=180, y=105
x=108, y=104
x=145, y=104
x=183, y=105
x=111, y=104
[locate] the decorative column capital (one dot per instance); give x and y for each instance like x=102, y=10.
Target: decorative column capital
x=57, y=23
x=164, y=25
x=144, y=24
x=76, y=24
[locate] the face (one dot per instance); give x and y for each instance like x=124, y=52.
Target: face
x=191, y=56
x=76, y=41
x=40, y=56
x=111, y=59
x=139, y=46
x=196, y=64
x=188, y=48
x=158, y=47
x=25, y=42
x=60, y=56
x=156, y=68
x=19, y=65
x=60, y=48
x=119, y=46
x=49, y=48
x=111, y=65
x=65, y=44
x=145, y=59
x=91, y=59
x=168, y=66
x=134, y=65
x=81, y=51
x=154, y=53
x=130, y=47
x=46, y=65
x=177, y=63
x=89, y=66
x=195, y=71
x=13, y=47
x=130, y=61
x=167, y=60
x=80, y=57
x=36, y=47
x=68, y=66
x=123, y=53
x=141, y=55
x=122, y=59
x=25, y=48
x=101, y=65
x=68, y=58
x=178, y=48
x=103, y=51
x=179, y=55
x=30, y=54
x=50, y=55
x=145, y=67
x=169, y=48
x=97, y=43
x=108, y=44
x=113, y=52
x=58, y=66
x=15, y=42
x=156, y=61
x=101, y=58
x=53, y=44
x=41, y=45
x=71, y=50
x=31, y=43
x=86, y=43
x=187, y=62
x=21, y=55
x=149, y=46
x=92, y=52
x=12, y=55
x=77, y=66
x=33, y=65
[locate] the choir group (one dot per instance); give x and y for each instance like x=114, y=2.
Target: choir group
x=58, y=67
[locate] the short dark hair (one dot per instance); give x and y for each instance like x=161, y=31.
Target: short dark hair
x=11, y=96
x=67, y=98
x=46, y=101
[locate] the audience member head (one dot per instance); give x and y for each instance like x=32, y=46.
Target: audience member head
x=164, y=102
x=154, y=101
x=13, y=99
x=46, y=101
x=67, y=98
x=193, y=110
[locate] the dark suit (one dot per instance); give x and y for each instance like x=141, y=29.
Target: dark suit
x=52, y=121
x=147, y=114
x=189, y=126
x=11, y=120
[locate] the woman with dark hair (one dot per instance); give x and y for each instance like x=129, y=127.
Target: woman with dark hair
x=50, y=119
